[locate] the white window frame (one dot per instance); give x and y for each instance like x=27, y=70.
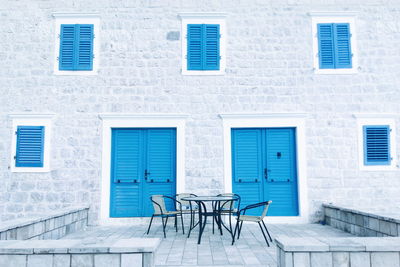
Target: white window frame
x=204, y=18
x=378, y=119
x=77, y=18
x=272, y=120
x=111, y=121
x=334, y=17
x=31, y=120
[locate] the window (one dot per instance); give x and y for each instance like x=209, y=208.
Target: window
x=76, y=47
x=30, y=146
x=203, y=43
x=30, y=142
x=376, y=134
x=76, y=44
x=334, y=43
x=376, y=145
x=334, y=46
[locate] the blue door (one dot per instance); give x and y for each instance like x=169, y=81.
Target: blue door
x=264, y=168
x=143, y=163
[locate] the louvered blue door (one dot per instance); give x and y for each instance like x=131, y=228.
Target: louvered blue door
x=143, y=164
x=280, y=183
x=264, y=168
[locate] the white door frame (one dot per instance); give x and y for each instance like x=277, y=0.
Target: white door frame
x=295, y=120
x=111, y=121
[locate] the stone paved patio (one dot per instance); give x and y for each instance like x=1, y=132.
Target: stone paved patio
x=214, y=250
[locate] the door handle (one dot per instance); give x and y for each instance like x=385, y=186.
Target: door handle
x=266, y=174
x=146, y=174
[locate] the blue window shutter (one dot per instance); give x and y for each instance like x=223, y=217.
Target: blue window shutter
x=343, y=56
x=30, y=146
x=195, y=47
x=211, y=51
x=377, y=145
x=67, y=44
x=247, y=157
x=326, y=45
x=76, y=47
x=84, y=47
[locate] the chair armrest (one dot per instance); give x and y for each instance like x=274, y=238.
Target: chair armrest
x=254, y=206
x=175, y=200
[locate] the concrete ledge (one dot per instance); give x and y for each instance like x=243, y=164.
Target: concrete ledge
x=53, y=225
x=361, y=223
x=134, y=252
x=349, y=251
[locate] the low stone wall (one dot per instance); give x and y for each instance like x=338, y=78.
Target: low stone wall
x=53, y=225
x=335, y=252
x=361, y=223
x=136, y=252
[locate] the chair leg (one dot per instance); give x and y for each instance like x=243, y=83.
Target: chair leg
x=183, y=227
x=151, y=221
x=266, y=240
x=164, y=225
x=234, y=234
x=176, y=223
x=240, y=229
x=266, y=229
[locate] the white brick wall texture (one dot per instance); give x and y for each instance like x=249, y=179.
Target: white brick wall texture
x=269, y=69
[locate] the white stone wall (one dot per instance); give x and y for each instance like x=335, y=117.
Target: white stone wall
x=269, y=69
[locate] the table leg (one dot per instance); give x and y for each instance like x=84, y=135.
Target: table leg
x=202, y=225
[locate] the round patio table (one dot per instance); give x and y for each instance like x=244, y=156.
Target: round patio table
x=216, y=202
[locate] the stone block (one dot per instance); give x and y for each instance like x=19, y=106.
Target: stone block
x=344, y=244
x=40, y=261
x=62, y=260
x=321, y=259
x=360, y=259
x=373, y=224
x=135, y=245
x=359, y=220
x=380, y=244
x=23, y=233
x=13, y=260
x=12, y=234
x=386, y=259
x=301, y=259
x=107, y=260
x=132, y=260
x=68, y=219
x=286, y=259
x=38, y=228
x=82, y=260
x=295, y=244
x=341, y=259
x=148, y=259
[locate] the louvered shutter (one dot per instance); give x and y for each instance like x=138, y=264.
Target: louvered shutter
x=195, y=47
x=84, y=47
x=161, y=149
x=76, y=47
x=377, y=145
x=343, y=56
x=67, y=43
x=30, y=146
x=127, y=155
x=326, y=46
x=211, y=40
x=246, y=153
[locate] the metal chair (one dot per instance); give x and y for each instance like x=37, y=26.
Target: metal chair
x=228, y=208
x=187, y=206
x=160, y=210
x=242, y=217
